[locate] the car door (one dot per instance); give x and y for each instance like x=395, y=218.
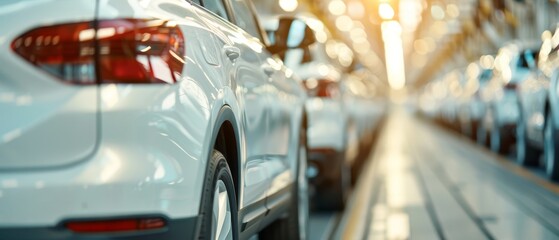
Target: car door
x=240, y=58
x=281, y=102
x=533, y=91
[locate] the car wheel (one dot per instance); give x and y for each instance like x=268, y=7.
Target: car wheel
x=499, y=140
x=334, y=197
x=481, y=136
x=219, y=204
x=474, y=126
x=295, y=225
x=466, y=128
x=526, y=154
x=550, y=149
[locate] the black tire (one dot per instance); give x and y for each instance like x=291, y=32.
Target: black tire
x=500, y=141
x=466, y=128
x=474, y=125
x=482, y=137
x=334, y=197
x=551, y=149
x=289, y=227
x=526, y=153
x=218, y=169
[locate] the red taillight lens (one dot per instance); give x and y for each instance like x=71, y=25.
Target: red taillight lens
x=322, y=88
x=129, y=51
x=140, y=51
x=120, y=225
x=61, y=50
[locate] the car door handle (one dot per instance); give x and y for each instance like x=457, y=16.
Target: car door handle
x=268, y=69
x=232, y=52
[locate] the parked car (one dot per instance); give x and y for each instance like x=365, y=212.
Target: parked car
x=500, y=97
x=365, y=101
x=149, y=120
x=332, y=135
x=471, y=106
x=536, y=128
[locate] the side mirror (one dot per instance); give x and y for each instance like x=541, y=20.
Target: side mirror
x=292, y=33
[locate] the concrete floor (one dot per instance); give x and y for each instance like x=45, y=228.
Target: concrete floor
x=424, y=182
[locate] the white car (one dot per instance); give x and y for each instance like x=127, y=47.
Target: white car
x=332, y=136
x=500, y=97
x=164, y=119
x=471, y=107
x=537, y=129
x=366, y=104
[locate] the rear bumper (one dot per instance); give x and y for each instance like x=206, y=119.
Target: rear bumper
x=148, y=160
x=116, y=181
x=184, y=228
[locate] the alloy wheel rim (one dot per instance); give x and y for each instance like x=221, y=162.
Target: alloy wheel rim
x=222, y=222
x=303, y=198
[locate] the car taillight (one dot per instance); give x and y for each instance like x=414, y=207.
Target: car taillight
x=322, y=88
x=119, y=225
x=511, y=86
x=61, y=50
x=119, y=50
x=140, y=51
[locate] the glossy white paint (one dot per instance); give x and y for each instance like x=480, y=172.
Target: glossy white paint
x=532, y=95
x=501, y=101
x=34, y=107
x=536, y=93
x=148, y=144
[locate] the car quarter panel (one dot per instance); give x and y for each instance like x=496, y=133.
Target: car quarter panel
x=35, y=105
x=251, y=90
x=166, y=130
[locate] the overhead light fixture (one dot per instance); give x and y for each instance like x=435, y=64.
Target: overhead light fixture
x=288, y=5
x=337, y=7
x=385, y=11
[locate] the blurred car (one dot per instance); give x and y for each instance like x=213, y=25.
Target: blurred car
x=450, y=102
x=149, y=120
x=366, y=103
x=511, y=67
x=537, y=128
x=332, y=135
x=471, y=107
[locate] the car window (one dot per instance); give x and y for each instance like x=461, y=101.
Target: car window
x=217, y=7
x=245, y=19
x=528, y=59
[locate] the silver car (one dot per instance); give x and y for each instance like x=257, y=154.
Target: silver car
x=164, y=119
x=537, y=126
x=512, y=66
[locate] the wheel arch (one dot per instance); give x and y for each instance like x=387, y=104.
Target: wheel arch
x=226, y=138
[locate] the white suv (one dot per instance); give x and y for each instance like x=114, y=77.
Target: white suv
x=500, y=97
x=332, y=134
x=165, y=119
